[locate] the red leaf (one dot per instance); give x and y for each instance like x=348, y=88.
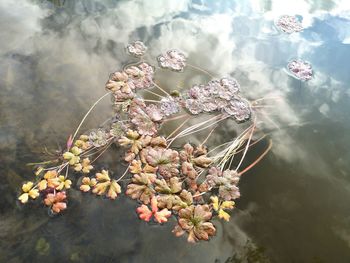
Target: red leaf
x=144, y=213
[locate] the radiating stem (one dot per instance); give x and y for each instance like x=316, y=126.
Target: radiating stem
x=156, y=94
x=105, y=149
x=247, y=146
x=188, y=130
x=176, y=118
x=178, y=128
x=154, y=101
x=166, y=93
x=210, y=133
x=201, y=70
x=44, y=162
x=258, y=159
x=126, y=171
x=92, y=107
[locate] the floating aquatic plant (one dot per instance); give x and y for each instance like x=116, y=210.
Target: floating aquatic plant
x=289, y=24
x=300, y=69
x=192, y=183
x=137, y=48
x=173, y=59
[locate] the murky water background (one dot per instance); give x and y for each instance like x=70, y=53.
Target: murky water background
x=55, y=59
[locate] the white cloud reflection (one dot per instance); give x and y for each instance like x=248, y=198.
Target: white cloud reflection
x=74, y=54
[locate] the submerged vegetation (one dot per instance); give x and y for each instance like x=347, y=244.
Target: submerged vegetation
x=193, y=183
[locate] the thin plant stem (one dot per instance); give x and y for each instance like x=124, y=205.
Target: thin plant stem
x=155, y=101
x=166, y=93
x=253, y=143
x=105, y=149
x=210, y=133
x=258, y=159
x=156, y=94
x=219, y=146
x=92, y=107
x=121, y=177
x=44, y=162
x=188, y=130
x=193, y=127
x=247, y=146
x=62, y=167
x=67, y=169
x=203, y=193
x=269, y=119
x=84, y=154
x=268, y=98
x=264, y=106
x=178, y=128
x=201, y=70
x=234, y=144
x=176, y=118
x=198, y=130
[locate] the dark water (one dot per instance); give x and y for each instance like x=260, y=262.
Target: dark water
x=55, y=59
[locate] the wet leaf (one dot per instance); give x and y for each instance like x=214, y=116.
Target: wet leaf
x=114, y=190
x=28, y=191
x=173, y=186
x=87, y=184
x=57, y=201
x=142, y=187
x=220, y=207
x=195, y=221
x=144, y=213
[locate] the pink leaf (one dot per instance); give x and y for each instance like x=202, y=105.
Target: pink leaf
x=154, y=204
x=69, y=142
x=144, y=213
x=162, y=216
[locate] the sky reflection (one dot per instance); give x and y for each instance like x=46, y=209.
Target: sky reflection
x=56, y=59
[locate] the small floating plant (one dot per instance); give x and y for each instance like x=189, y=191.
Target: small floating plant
x=193, y=183
x=300, y=69
x=289, y=24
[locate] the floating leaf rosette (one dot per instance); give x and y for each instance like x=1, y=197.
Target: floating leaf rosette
x=289, y=24
x=174, y=60
x=169, y=178
x=137, y=48
x=300, y=69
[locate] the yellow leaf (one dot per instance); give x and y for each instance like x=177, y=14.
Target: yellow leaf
x=50, y=174
x=132, y=134
x=135, y=167
x=42, y=185
x=74, y=160
x=215, y=201
x=101, y=188
x=85, y=188
x=227, y=204
x=26, y=187
x=114, y=190
x=93, y=182
x=34, y=193
x=84, y=137
x=76, y=151
x=86, y=165
x=224, y=215
x=39, y=170
x=102, y=176
x=68, y=155
x=78, y=167
x=67, y=184
x=23, y=198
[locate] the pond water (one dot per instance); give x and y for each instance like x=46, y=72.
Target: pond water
x=55, y=59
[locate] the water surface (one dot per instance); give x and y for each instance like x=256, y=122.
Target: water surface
x=56, y=57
